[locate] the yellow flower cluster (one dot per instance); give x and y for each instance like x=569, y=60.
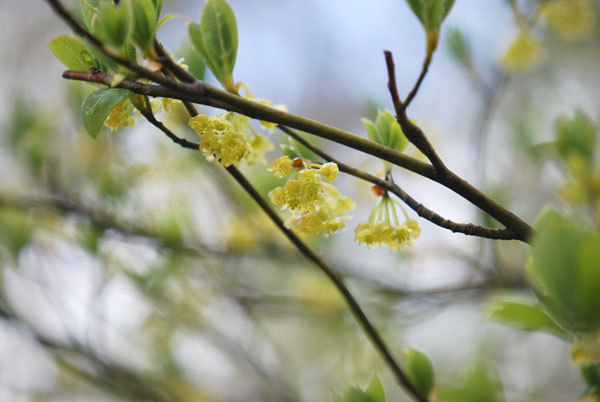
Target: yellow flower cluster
x=316, y=207
x=379, y=230
x=524, y=53
x=120, y=117
x=229, y=139
x=571, y=19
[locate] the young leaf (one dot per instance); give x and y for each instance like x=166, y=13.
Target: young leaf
x=371, y=130
x=528, y=316
x=375, y=390
x=72, y=53
x=115, y=23
x=97, y=106
x=89, y=9
x=144, y=12
x=216, y=38
x=193, y=60
x=158, y=6
x=420, y=371
x=479, y=385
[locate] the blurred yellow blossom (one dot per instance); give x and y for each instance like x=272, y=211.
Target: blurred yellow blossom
x=571, y=19
x=523, y=54
x=281, y=167
x=120, y=117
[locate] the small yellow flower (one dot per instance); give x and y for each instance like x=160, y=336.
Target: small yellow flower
x=316, y=207
x=281, y=167
x=571, y=19
x=379, y=230
x=329, y=171
x=119, y=117
x=523, y=54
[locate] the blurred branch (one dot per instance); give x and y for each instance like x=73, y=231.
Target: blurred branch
x=105, y=221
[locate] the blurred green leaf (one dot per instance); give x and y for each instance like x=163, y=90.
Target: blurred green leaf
x=459, y=46
x=16, y=230
x=375, y=390
x=565, y=264
x=479, y=385
x=419, y=370
x=72, y=53
x=89, y=8
x=216, y=38
x=528, y=316
x=158, y=6
x=576, y=136
x=97, y=106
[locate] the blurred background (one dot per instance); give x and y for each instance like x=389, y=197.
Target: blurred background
x=132, y=269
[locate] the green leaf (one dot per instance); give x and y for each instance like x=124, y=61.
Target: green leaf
x=431, y=13
x=115, y=23
x=72, y=53
x=372, y=131
x=158, y=6
x=375, y=390
x=289, y=151
x=459, y=46
x=563, y=261
x=417, y=6
x=89, y=10
x=144, y=12
x=420, y=371
x=97, y=106
x=527, y=315
x=193, y=60
x=106, y=64
x=576, y=136
x=479, y=385
x=216, y=38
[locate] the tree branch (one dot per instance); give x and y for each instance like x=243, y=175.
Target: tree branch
x=465, y=228
x=369, y=330
x=253, y=109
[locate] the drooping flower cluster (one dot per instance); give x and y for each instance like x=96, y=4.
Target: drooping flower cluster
x=120, y=117
x=384, y=227
x=316, y=206
x=229, y=139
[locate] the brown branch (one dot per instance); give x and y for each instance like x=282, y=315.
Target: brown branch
x=414, y=134
x=258, y=111
x=417, y=85
x=370, y=331
x=465, y=228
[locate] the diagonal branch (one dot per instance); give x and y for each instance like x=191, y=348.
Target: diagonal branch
x=370, y=331
x=420, y=209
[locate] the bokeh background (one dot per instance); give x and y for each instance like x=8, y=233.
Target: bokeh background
x=135, y=270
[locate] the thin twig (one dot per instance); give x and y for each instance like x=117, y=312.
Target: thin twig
x=417, y=85
x=371, y=333
x=465, y=228
x=414, y=134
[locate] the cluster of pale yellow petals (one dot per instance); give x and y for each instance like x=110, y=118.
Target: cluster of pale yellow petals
x=524, y=53
x=571, y=19
x=120, y=117
x=379, y=230
x=226, y=139
x=316, y=207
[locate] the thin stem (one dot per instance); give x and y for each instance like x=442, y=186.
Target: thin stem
x=370, y=331
x=414, y=134
x=417, y=85
x=465, y=228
